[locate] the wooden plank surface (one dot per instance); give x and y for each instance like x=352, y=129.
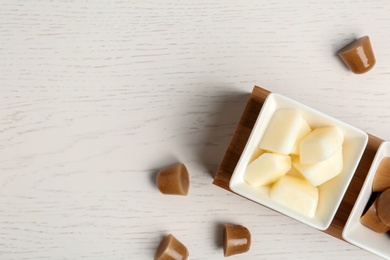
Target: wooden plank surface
x=241, y=135
x=97, y=96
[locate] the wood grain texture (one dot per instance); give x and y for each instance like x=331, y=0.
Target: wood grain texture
x=97, y=96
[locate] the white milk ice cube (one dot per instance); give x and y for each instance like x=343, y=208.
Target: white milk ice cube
x=304, y=131
x=319, y=173
x=267, y=169
x=282, y=131
x=320, y=144
x=296, y=194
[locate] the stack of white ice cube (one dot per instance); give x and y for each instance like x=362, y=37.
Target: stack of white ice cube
x=290, y=145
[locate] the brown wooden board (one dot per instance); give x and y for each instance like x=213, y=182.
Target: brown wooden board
x=241, y=135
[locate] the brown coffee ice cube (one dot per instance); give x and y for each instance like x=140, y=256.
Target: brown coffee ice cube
x=382, y=176
x=174, y=180
x=371, y=219
x=358, y=55
x=383, y=207
x=171, y=249
x=236, y=239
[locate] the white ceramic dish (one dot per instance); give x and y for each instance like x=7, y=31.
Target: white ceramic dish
x=331, y=192
x=354, y=232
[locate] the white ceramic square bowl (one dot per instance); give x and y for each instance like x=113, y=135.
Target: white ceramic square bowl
x=354, y=232
x=331, y=192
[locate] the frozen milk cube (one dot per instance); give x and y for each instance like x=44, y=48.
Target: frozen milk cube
x=319, y=173
x=283, y=131
x=320, y=144
x=267, y=168
x=296, y=194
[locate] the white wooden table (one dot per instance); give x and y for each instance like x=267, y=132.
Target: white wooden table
x=97, y=96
